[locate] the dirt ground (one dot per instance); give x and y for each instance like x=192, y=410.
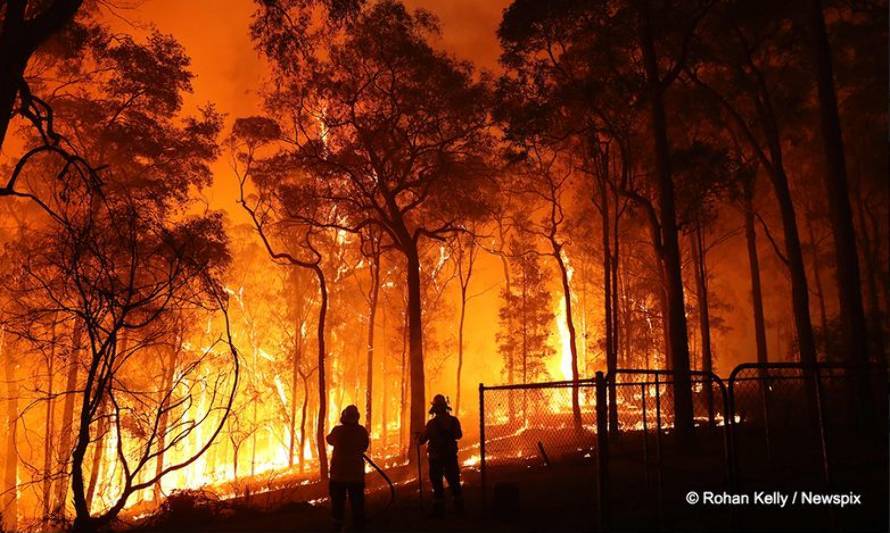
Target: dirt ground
x=527, y=496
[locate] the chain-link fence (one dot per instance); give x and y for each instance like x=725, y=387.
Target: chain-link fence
x=650, y=467
x=790, y=418
x=556, y=448
x=535, y=435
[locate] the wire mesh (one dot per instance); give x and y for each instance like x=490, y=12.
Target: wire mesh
x=653, y=467
x=536, y=434
x=806, y=422
x=769, y=426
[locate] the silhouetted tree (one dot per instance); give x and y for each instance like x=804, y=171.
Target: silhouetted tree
x=526, y=315
x=271, y=207
x=388, y=132
x=744, y=46
x=543, y=180
x=591, y=52
x=465, y=250
x=849, y=281
x=25, y=26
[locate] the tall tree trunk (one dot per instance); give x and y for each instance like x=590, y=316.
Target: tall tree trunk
x=524, y=281
x=754, y=267
x=235, y=449
x=322, y=385
x=800, y=299
x=460, y=346
x=253, y=435
x=303, y=414
x=64, y=450
x=570, y=325
x=96, y=463
x=403, y=398
x=122, y=343
x=676, y=319
x=49, y=427
x=83, y=520
x=511, y=364
x=384, y=404
x=415, y=343
x=468, y=254
x=701, y=283
x=12, y=68
x=10, y=478
x=169, y=371
x=295, y=383
x=608, y=305
x=616, y=335
x=626, y=314
x=756, y=294
x=846, y=257
x=373, y=294
x=817, y=278
x=704, y=317
x=872, y=259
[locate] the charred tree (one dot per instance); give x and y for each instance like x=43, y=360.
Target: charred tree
x=373, y=297
x=670, y=247
x=849, y=283
x=754, y=270
x=704, y=322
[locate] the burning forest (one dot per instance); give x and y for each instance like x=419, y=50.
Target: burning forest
x=266, y=257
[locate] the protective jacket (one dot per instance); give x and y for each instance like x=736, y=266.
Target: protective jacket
x=350, y=441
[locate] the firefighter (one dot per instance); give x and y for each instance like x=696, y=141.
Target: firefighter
x=347, y=473
x=441, y=436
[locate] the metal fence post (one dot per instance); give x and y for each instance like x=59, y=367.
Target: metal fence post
x=645, y=436
x=764, y=399
x=728, y=451
x=602, y=455
x=820, y=420
x=659, y=478
x=482, y=444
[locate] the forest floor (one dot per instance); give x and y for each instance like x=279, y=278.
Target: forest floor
x=527, y=495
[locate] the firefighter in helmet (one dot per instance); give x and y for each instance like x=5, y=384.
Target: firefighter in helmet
x=441, y=435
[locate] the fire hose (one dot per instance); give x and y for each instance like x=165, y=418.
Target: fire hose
x=392, y=487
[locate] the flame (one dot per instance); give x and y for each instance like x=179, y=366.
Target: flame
x=473, y=460
x=565, y=341
x=279, y=386
x=564, y=347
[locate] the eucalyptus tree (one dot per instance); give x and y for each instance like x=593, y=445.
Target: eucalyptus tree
x=287, y=239
x=849, y=279
x=464, y=252
x=117, y=255
x=748, y=65
x=594, y=55
x=379, y=130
